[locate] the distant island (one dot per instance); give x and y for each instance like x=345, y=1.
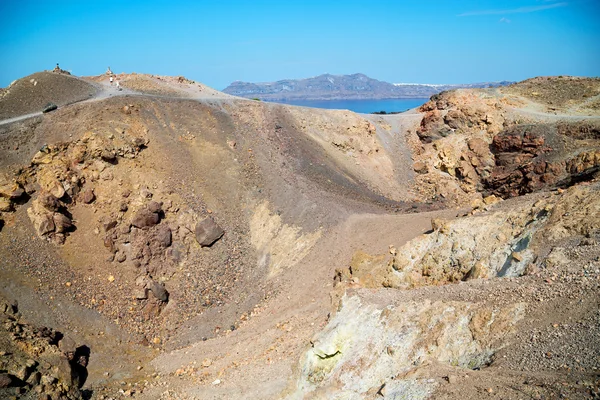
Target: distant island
x=343, y=87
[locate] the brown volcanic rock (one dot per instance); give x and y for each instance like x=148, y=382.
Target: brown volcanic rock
x=62, y=170
x=11, y=191
x=62, y=223
x=8, y=380
x=159, y=291
x=516, y=141
x=207, y=232
x=49, y=201
x=163, y=236
x=33, y=360
x=461, y=111
x=433, y=127
x=456, y=119
x=87, y=196
x=531, y=158
x=579, y=130
x=480, y=147
x=145, y=218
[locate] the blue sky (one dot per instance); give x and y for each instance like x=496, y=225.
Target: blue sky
x=217, y=42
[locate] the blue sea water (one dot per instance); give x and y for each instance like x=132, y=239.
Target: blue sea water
x=360, y=106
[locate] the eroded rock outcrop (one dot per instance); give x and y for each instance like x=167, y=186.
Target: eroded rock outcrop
x=500, y=242
x=49, y=217
x=460, y=111
x=471, y=145
x=529, y=158
x=64, y=174
x=38, y=362
x=378, y=341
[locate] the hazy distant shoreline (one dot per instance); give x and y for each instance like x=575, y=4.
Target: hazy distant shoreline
x=343, y=87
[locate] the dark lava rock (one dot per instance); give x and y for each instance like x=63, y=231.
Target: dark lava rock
x=208, y=232
x=530, y=158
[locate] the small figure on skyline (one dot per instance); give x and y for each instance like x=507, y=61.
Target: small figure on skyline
x=108, y=71
x=58, y=70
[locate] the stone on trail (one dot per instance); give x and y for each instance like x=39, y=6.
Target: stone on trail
x=88, y=196
x=208, y=232
x=108, y=155
x=120, y=257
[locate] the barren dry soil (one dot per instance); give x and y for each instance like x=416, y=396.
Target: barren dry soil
x=168, y=241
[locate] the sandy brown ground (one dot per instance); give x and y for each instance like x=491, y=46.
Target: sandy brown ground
x=245, y=310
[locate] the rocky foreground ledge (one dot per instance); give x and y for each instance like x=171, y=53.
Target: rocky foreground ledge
x=38, y=362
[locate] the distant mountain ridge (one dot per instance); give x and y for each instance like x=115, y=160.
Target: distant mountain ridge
x=343, y=87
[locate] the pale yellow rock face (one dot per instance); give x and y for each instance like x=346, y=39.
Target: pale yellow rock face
x=361, y=345
x=279, y=246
